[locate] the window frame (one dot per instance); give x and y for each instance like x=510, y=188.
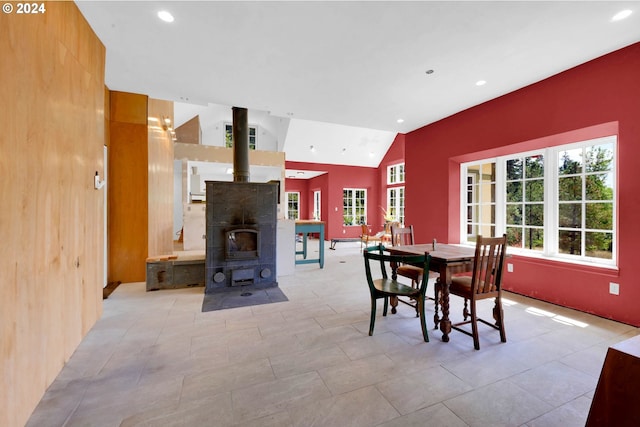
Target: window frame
x=297, y=202
x=228, y=136
x=551, y=227
x=396, y=210
x=396, y=174
x=353, y=207
x=317, y=205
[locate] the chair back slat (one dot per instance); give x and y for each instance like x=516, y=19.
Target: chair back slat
x=401, y=235
x=489, y=260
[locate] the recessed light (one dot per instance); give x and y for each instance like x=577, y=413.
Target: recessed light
x=400, y=120
x=312, y=148
x=165, y=16
x=481, y=82
x=621, y=15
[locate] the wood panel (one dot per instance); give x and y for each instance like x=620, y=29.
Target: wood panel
x=51, y=145
x=190, y=132
x=128, y=182
x=160, y=180
x=614, y=401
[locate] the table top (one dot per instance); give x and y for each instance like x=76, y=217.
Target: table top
x=308, y=221
x=443, y=251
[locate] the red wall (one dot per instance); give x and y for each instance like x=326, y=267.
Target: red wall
x=394, y=155
x=331, y=184
x=599, y=96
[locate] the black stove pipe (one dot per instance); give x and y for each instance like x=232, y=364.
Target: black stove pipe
x=240, y=145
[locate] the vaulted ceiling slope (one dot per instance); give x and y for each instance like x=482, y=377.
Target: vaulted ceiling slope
x=389, y=66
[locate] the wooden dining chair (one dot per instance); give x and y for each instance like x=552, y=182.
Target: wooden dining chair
x=366, y=238
x=385, y=286
x=401, y=236
x=485, y=282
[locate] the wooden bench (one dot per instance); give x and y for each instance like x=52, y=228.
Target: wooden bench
x=173, y=271
x=343, y=239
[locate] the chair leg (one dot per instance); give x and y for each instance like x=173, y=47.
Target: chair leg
x=474, y=326
x=372, y=322
x=465, y=310
x=423, y=320
x=498, y=315
x=386, y=306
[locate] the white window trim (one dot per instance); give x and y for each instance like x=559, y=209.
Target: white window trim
x=549, y=251
x=356, y=221
x=397, y=169
x=287, y=199
x=224, y=133
x=317, y=205
x=398, y=217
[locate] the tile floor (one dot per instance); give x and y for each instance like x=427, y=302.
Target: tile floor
x=154, y=359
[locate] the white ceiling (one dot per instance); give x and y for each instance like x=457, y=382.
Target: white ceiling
x=343, y=73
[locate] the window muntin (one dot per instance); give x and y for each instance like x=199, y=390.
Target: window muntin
x=395, y=174
x=395, y=204
x=228, y=136
x=354, y=210
x=293, y=205
x=524, y=219
x=558, y=202
x=586, y=201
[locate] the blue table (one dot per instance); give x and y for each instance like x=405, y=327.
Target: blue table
x=305, y=227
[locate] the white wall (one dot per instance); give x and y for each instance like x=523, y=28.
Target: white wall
x=271, y=129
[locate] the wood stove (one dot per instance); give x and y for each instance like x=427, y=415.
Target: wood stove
x=241, y=221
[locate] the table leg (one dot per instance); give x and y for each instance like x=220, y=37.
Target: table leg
x=436, y=300
x=445, y=322
x=394, y=276
x=304, y=245
x=321, y=247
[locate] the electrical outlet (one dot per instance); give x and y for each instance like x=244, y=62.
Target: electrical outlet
x=509, y=267
x=614, y=288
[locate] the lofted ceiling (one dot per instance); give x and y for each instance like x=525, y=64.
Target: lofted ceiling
x=348, y=76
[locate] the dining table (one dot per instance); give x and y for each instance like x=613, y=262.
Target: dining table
x=446, y=260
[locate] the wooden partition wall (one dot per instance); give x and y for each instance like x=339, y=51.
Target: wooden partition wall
x=160, y=179
x=128, y=159
x=140, y=184
x=51, y=219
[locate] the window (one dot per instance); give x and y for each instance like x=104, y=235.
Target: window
x=557, y=202
x=228, y=136
x=395, y=204
x=525, y=202
x=293, y=205
x=395, y=174
x=316, y=205
x=395, y=195
x=480, y=203
x=354, y=209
